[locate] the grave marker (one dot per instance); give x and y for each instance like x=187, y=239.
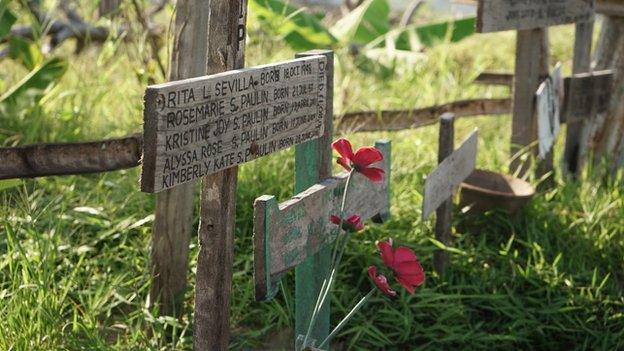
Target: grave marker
x=293, y=233
x=454, y=167
x=206, y=126
x=549, y=98
x=531, y=20
x=200, y=126
x=587, y=95
x=287, y=233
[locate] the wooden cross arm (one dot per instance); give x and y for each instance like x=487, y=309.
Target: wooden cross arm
x=498, y=15
x=613, y=8
x=286, y=234
x=440, y=183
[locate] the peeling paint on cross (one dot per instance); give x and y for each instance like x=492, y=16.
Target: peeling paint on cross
x=287, y=233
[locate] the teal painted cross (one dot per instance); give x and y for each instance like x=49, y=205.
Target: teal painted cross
x=297, y=233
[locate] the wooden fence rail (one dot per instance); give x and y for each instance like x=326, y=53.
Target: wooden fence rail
x=370, y=121
x=41, y=160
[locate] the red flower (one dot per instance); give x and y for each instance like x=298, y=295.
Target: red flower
x=351, y=224
x=360, y=160
x=381, y=282
x=403, y=262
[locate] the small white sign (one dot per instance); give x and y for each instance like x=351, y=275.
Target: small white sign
x=440, y=183
x=549, y=98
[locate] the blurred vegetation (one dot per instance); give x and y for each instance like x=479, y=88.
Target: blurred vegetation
x=74, y=251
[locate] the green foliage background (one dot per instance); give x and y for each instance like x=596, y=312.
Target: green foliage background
x=74, y=251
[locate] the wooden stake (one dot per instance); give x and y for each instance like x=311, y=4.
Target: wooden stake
x=581, y=64
x=313, y=163
x=226, y=43
x=531, y=49
x=444, y=213
x=107, y=7
x=174, y=207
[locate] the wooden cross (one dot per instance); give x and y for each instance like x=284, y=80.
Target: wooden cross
x=529, y=18
x=586, y=95
x=294, y=232
x=203, y=126
x=454, y=167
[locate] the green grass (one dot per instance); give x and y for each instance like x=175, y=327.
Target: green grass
x=74, y=251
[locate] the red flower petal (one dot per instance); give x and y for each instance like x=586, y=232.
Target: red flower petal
x=352, y=224
x=381, y=282
x=372, y=272
x=372, y=173
x=359, y=227
x=354, y=219
x=385, y=248
x=405, y=268
x=344, y=163
x=409, y=287
x=415, y=279
x=334, y=219
x=344, y=148
x=404, y=254
x=365, y=156
x=404, y=263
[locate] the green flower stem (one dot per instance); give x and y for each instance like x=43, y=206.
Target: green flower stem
x=342, y=214
x=315, y=312
x=348, y=317
x=327, y=283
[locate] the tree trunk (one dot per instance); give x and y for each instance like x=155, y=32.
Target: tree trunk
x=606, y=131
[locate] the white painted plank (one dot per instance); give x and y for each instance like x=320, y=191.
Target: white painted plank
x=440, y=183
x=200, y=126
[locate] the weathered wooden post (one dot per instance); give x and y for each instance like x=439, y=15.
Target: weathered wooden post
x=204, y=127
x=194, y=56
x=531, y=20
x=226, y=51
x=581, y=63
x=444, y=214
x=606, y=130
x=454, y=167
x=293, y=233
